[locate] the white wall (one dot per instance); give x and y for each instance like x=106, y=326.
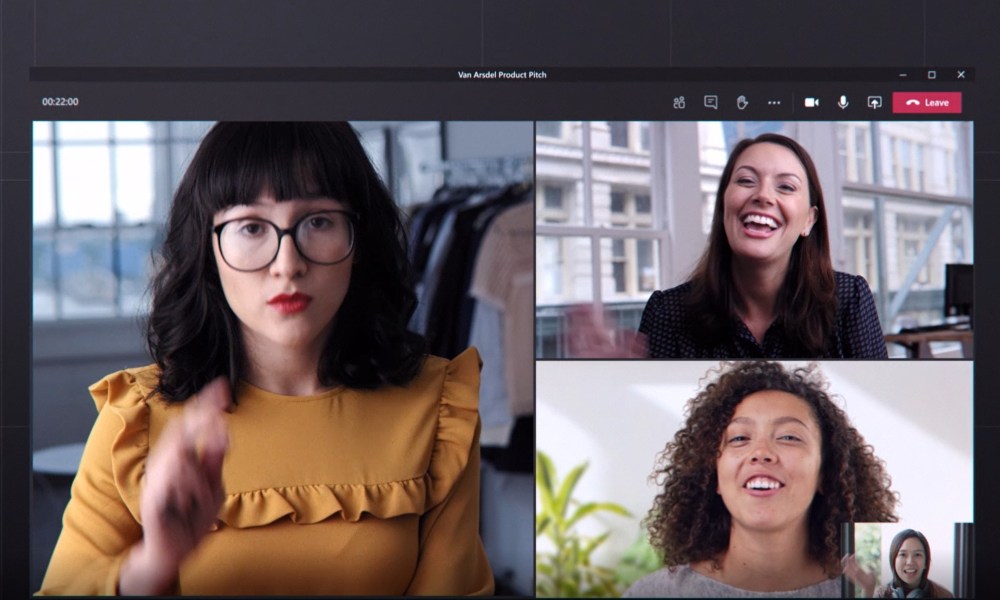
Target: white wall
x=620, y=415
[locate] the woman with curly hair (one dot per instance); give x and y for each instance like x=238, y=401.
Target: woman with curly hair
x=292, y=437
x=765, y=286
x=755, y=487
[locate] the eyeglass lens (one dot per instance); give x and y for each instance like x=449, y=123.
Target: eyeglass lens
x=251, y=244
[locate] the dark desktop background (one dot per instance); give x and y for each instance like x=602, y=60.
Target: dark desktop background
x=96, y=50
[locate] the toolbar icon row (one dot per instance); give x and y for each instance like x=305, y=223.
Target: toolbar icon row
x=902, y=102
x=712, y=101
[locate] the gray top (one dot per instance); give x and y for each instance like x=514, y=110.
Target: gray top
x=685, y=582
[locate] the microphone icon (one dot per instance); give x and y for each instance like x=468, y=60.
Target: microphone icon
x=842, y=103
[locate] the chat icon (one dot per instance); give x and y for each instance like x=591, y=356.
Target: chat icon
x=712, y=101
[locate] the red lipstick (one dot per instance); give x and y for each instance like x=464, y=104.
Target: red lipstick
x=288, y=304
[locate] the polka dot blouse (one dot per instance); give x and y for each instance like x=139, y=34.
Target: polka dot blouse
x=667, y=325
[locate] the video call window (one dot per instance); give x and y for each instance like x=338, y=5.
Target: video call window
x=617, y=220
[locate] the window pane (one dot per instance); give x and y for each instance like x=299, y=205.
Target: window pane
x=618, y=273
x=618, y=248
x=622, y=208
x=415, y=142
x=83, y=131
x=619, y=133
x=84, y=185
x=860, y=255
x=101, y=179
x=43, y=206
x=180, y=156
x=560, y=163
x=618, y=202
x=914, y=252
x=134, y=256
x=86, y=279
x=42, y=276
x=648, y=271
x=134, y=183
x=549, y=128
x=41, y=131
x=557, y=203
x=374, y=142
x=553, y=197
x=133, y=130
x=563, y=270
x=630, y=268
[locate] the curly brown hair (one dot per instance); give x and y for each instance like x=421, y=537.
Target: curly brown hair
x=690, y=523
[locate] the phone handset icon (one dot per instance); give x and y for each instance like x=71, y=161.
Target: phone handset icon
x=913, y=102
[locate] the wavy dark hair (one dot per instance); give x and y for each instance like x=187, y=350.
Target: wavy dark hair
x=192, y=333
x=894, y=545
x=807, y=303
x=689, y=521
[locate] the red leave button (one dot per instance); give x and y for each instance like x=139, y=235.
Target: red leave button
x=927, y=102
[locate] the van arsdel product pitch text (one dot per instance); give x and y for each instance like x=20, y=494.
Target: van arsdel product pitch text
x=502, y=75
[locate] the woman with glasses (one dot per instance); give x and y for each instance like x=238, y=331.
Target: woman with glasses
x=292, y=437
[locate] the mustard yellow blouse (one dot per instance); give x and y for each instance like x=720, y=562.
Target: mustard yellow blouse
x=346, y=492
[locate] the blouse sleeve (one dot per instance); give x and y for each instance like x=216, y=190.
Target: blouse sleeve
x=862, y=331
x=452, y=559
x=99, y=526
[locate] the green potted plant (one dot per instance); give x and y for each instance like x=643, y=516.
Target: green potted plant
x=568, y=570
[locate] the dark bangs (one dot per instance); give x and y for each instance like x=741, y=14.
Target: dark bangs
x=192, y=333
x=239, y=161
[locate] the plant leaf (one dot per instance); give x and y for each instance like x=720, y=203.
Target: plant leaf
x=592, y=544
x=545, y=481
x=542, y=524
x=561, y=500
x=591, y=507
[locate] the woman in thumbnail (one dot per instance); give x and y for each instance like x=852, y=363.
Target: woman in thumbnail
x=292, y=437
x=758, y=513
x=910, y=561
x=765, y=286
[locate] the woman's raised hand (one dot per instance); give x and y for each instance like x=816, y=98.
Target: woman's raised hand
x=182, y=492
x=593, y=334
x=860, y=577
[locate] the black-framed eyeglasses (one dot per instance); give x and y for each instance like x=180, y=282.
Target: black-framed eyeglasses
x=251, y=243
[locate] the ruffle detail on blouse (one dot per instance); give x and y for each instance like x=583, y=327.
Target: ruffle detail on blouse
x=124, y=394
x=305, y=504
x=458, y=421
x=458, y=425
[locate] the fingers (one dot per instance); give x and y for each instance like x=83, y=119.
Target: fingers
x=849, y=564
x=640, y=346
x=206, y=426
x=216, y=394
x=183, y=487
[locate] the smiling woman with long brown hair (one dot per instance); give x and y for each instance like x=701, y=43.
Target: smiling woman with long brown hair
x=292, y=437
x=765, y=286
